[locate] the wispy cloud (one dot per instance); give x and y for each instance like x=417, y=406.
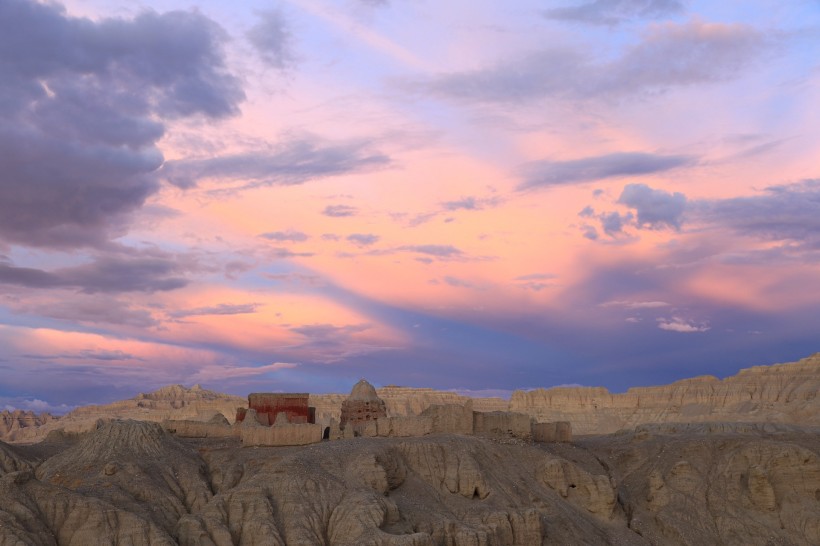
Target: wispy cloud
x=589, y=169
x=296, y=160
x=212, y=373
x=678, y=324
x=272, y=38
x=222, y=309
x=670, y=55
x=363, y=239
x=340, y=211
x=286, y=236
x=613, y=12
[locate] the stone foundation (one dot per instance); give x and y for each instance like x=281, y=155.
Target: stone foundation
x=559, y=431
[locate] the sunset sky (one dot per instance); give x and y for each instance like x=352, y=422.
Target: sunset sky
x=461, y=194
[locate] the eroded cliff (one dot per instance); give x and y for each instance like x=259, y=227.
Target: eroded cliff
x=781, y=393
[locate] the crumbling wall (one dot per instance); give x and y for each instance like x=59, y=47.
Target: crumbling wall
x=396, y=427
x=405, y=427
x=558, y=431
x=269, y=405
x=451, y=418
x=505, y=424
x=361, y=412
x=281, y=435
x=198, y=429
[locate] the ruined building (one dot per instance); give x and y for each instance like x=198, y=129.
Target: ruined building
x=362, y=406
x=279, y=408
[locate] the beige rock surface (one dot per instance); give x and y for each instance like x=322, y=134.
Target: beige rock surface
x=717, y=487
x=781, y=393
x=131, y=483
x=173, y=402
x=13, y=423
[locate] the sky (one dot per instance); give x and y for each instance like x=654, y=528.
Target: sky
x=471, y=195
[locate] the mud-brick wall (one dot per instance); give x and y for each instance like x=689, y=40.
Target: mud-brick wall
x=269, y=405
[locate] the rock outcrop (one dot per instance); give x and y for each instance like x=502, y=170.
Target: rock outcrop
x=710, y=486
x=14, y=423
x=173, y=402
x=782, y=393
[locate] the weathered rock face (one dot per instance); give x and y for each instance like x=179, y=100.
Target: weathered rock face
x=131, y=462
x=717, y=487
x=11, y=460
x=782, y=393
x=281, y=435
x=132, y=483
x=174, y=402
x=12, y=423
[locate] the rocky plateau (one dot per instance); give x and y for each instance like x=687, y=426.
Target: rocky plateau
x=701, y=461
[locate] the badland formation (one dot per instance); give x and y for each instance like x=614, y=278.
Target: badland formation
x=700, y=461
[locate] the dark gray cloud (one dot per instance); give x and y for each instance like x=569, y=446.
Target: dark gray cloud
x=222, y=309
x=127, y=271
x=589, y=169
x=782, y=213
x=613, y=12
x=613, y=223
x=273, y=39
x=77, y=145
x=88, y=354
x=294, y=161
x=655, y=209
x=670, y=55
x=89, y=308
x=788, y=214
x=289, y=235
x=363, y=239
x=340, y=211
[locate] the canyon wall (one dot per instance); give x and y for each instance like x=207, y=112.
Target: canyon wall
x=781, y=393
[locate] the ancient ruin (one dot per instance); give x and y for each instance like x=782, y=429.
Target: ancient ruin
x=286, y=419
x=362, y=406
x=282, y=408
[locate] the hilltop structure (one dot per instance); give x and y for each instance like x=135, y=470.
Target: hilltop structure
x=286, y=419
x=362, y=406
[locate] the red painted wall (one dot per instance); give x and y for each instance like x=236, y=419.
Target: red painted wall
x=268, y=406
